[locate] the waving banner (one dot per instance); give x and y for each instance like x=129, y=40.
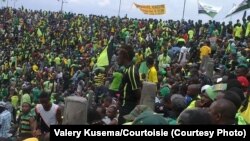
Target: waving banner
x=245, y=4
x=151, y=9
x=210, y=10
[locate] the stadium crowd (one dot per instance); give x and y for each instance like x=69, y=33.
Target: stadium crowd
x=197, y=73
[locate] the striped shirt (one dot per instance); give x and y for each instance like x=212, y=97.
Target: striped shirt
x=25, y=123
x=99, y=80
x=130, y=83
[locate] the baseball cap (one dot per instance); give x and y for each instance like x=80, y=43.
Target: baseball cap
x=243, y=81
x=163, y=72
x=150, y=118
x=209, y=91
x=204, y=88
x=26, y=99
x=164, y=91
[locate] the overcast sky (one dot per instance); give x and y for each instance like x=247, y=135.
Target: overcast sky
x=110, y=7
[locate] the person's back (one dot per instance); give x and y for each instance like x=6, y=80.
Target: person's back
x=204, y=51
x=183, y=55
x=36, y=93
x=229, y=29
x=152, y=75
x=173, y=51
x=238, y=31
x=163, y=59
x=5, y=121
x=248, y=27
x=130, y=86
x=191, y=34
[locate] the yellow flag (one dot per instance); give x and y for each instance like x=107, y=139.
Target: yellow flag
x=152, y=9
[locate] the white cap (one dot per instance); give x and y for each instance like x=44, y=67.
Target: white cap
x=204, y=88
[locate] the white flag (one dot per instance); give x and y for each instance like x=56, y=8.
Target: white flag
x=210, y=10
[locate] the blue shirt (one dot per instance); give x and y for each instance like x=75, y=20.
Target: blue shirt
x=172, y=51
x=5, y=122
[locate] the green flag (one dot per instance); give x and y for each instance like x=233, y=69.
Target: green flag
x=39, y=32
x=103, y=58
x=106, y=55
x=245, y=4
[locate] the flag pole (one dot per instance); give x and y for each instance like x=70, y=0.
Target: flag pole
x=15, y=3
x=184, y=10
x=62, y=4
x=119, y=11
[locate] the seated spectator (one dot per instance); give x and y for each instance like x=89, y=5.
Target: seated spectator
x=223, y=112
x=194, y=116
x=177, y=106
x=207, y=95
x=111, y=116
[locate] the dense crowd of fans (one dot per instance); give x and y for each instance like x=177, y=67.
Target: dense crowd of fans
x=200, y=71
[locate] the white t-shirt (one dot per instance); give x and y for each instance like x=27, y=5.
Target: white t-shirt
x=184, y=50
